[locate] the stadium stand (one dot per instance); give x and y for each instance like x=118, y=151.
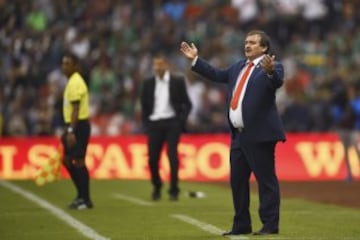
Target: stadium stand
x=318, y=41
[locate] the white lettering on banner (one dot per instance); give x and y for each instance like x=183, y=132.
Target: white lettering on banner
x=94, y=153
x=7, y=155
x=113, y=163
x=187, y=170
x=354, y=162
x=203, y=158
x=40, y=153
x=139, y=160
x=321, y=156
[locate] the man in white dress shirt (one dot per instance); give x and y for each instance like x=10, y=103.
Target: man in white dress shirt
x=165, y=107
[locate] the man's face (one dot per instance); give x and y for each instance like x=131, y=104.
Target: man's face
x=159, y=66
x=67, y=66
x=253, y=49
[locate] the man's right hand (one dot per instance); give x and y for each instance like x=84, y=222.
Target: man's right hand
x=190, y=52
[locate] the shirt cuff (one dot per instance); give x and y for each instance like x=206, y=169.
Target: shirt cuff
x=194, y=61
x=270, y=75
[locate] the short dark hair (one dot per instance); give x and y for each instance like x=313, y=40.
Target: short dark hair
x=264, y=38
x=75, y=59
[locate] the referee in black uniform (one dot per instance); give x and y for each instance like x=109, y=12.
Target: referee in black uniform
x=76, y=135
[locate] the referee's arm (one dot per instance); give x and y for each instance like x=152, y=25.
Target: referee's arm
x=74, y=114
x=70, y=136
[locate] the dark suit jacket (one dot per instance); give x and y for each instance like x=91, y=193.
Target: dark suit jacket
x=262, y=122
x=179, y=99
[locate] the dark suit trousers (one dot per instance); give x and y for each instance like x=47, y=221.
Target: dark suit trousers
x=161, y=132
x=257, y=158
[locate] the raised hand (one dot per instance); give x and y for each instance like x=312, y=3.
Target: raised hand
x=268, y=63
x=190, y=52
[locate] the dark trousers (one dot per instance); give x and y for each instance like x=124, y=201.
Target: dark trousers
x=161, y=132
x=257, y=158
x=349, y=138
x=74, y=159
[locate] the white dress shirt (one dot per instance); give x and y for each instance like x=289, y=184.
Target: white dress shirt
x=162, y=105
x=236, y=116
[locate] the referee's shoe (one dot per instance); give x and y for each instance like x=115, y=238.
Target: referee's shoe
x=80, y=204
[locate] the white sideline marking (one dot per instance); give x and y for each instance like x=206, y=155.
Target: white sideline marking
x=72, y=222
x=133, y=199
x=205, y=226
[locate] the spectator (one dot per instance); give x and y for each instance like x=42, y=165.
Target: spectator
x=34, y=34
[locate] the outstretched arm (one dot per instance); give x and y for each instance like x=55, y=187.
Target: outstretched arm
x=202, y=67
x=190, y=51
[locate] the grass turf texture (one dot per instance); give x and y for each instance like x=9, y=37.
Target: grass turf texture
x=116, y=218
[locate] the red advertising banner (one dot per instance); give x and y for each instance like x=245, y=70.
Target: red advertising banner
x=202, y=157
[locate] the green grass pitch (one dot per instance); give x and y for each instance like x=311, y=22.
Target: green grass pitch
x=123, y=210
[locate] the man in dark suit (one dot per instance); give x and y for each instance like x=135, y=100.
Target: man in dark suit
x=165, y=107
x=255, y=128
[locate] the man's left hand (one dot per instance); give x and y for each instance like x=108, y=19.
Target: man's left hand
x=268, y=63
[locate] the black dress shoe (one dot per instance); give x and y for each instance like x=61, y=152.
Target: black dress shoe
x=264, y=231
x=232, y=232
x=173, y=197
x=156, y=195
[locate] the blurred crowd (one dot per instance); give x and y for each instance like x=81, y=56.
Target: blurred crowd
x=318, y=42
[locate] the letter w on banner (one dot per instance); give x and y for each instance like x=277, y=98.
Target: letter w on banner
x=50, y=171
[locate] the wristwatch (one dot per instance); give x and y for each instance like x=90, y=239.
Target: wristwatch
x=69, y=130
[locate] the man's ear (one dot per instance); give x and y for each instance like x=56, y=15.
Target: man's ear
x=264, y=49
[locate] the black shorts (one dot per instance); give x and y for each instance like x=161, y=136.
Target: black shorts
x=82, y=134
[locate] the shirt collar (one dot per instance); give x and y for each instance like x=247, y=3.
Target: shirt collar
x=166, y=77
x=257, y=60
